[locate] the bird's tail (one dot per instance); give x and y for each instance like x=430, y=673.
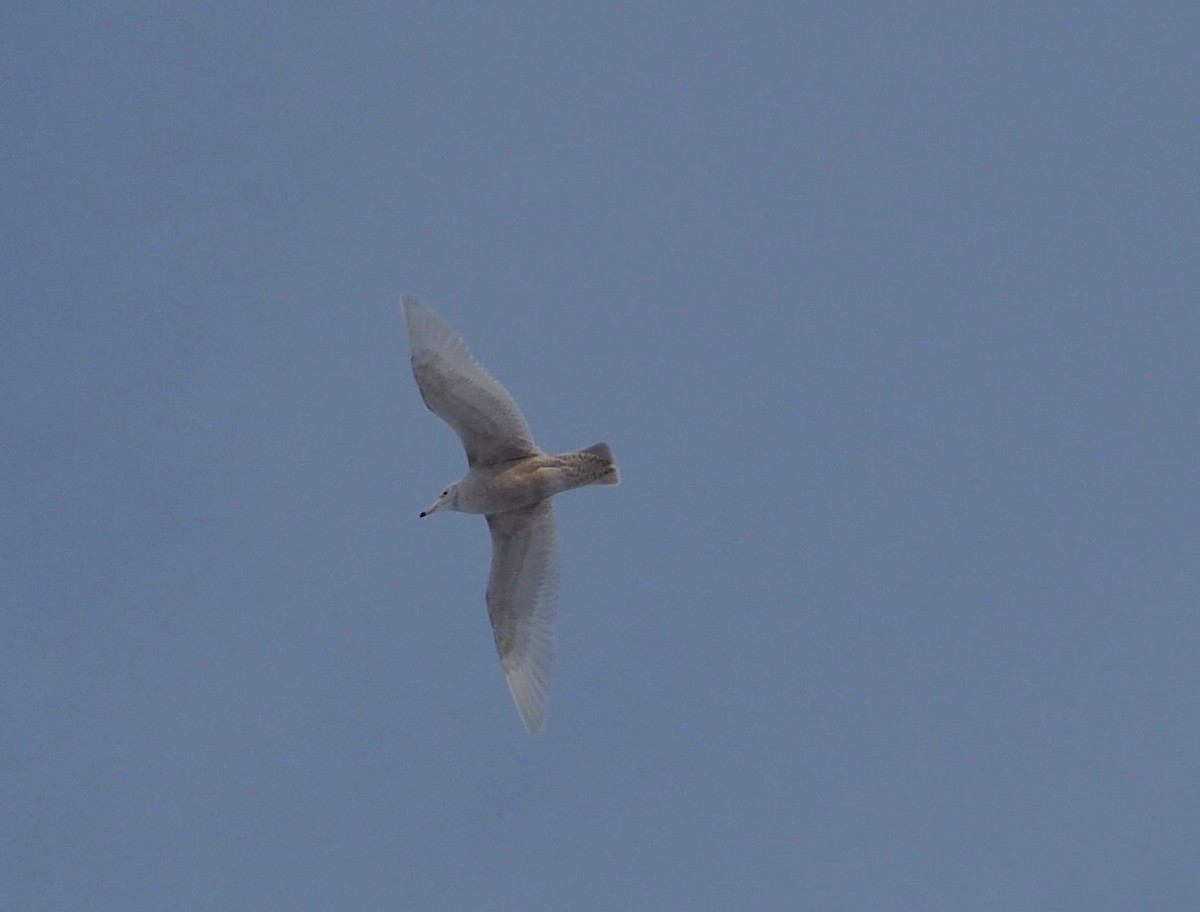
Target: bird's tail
x=608, y=473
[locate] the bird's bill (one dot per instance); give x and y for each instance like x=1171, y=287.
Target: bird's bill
x=437, y=505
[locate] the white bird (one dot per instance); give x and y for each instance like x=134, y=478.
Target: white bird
x=510, y=481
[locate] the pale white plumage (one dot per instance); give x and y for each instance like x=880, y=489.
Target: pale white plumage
x=511, y=481
x=521, y=596
x=459, y=391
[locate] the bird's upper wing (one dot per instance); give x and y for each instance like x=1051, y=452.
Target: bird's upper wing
x=521, y=595
x=459, y=391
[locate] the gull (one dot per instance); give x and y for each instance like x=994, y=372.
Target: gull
x=510, y=481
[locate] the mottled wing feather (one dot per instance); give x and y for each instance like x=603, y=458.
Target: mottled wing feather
x=521, y=596
x=458, y=390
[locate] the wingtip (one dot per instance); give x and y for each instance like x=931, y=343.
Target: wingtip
x=530, y=696
x=410, y=306
x=417, y=317
x=534, y=727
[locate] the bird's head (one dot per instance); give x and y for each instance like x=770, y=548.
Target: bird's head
x=447, y=501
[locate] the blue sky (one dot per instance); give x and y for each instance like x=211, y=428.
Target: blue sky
x=888, y=311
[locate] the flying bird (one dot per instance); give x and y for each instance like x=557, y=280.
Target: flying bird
x=510, y=481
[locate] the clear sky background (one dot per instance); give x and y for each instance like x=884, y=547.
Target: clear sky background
x=890, y=313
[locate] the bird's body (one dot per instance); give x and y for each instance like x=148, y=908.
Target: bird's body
x=510, y=481
x=530, y=479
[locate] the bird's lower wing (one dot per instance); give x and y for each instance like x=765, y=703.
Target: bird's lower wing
x=521, y=596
